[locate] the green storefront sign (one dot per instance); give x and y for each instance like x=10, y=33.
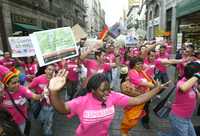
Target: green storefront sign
x=186, y=7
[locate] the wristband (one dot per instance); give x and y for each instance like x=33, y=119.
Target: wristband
x=197, y=75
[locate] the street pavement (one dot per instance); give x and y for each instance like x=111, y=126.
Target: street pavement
x=66, y=127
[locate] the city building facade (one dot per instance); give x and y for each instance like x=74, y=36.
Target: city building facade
x=95, y=20
x=22, y=17
x=177, y=20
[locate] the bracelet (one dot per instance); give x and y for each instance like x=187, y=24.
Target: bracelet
x=197, y=75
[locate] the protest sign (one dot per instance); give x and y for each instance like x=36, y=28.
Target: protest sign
x=79, y=33
x=21, y=46
x=54, y=45
x=91, y=44
x=130, y=41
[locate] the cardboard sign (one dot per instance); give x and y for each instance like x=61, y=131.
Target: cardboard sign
x=54, y=45
x=91, y=44
x=78, y=32
x=21, y=46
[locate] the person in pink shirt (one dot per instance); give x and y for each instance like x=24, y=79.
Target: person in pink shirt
x=95, y=109
x=143, y=83
x=149, y=63
x=184, y=104
x=7, y=61
x=96, y=65
x=162, y=62
x=39, y=85
x=72, y=84
x=13, y=90
x=30, y=68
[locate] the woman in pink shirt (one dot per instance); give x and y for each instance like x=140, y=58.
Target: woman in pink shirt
x=184, y=105
x=46, y=114
x=30, y=68
x=96, y=109
x=13, y=90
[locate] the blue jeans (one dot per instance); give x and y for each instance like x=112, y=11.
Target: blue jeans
x=180, y=127
x=46, y=118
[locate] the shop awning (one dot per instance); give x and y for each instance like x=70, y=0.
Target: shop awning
x=186, y=7
x=25, y=27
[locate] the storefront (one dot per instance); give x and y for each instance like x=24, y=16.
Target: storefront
x=24, y=24
x=188, y=17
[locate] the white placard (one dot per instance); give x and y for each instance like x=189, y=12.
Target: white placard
x=54, y=45
x=21, y=46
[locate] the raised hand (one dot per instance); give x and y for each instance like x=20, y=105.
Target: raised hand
x=58, y=80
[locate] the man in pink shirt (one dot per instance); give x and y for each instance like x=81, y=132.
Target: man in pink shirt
x=149, y=63
x=96, y=65
x=7, y=61
x=72, y=84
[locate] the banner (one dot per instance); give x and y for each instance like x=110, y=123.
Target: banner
x=53, y=45
x=103, y=33
x=21, y=46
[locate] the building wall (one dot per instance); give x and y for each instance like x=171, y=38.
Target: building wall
x=95, y=17
x=158, y=22
x=51, y=13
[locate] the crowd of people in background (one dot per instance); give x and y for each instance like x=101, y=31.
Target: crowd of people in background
x=97, y=81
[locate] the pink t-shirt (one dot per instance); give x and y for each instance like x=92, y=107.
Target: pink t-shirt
x=30, y=69
x=9, y=63
x=95, y=119
x=149, y=67
x=20, y=99
x=161, y=67
x=93, y=68
x=110, y=58
x=137, y=78
x=38, y=84
x=185, y=102
x=72, y=67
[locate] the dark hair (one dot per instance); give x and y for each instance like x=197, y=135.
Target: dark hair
x=191, y=69
x=41, y=71
x=152, y=50
x=95, y=81
x=10, y=128
x=141, y=47
x=163, y=46
x=26, y=59
x=134, y=60
x=99, y=52
x=190, y=46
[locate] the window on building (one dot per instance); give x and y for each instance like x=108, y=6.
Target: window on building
x=50, y=4
x=156, y=14
x=150, y=15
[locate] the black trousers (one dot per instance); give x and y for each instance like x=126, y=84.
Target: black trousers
x=145, y=119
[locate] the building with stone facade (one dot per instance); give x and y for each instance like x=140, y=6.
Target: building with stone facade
x=136, y=18
x=96, y=17
x=26, y=16
x=178, y=20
